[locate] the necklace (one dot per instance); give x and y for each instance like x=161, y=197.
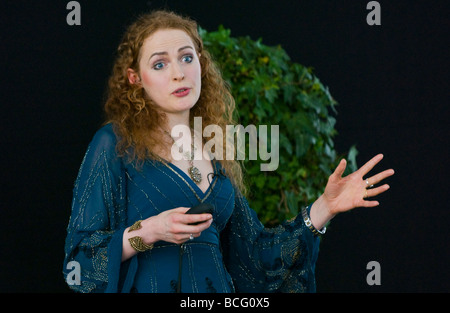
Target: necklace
x=193, y=171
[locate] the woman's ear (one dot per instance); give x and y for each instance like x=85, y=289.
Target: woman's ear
x=133, y=77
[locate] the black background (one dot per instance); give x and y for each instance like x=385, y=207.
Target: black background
x=391, y=82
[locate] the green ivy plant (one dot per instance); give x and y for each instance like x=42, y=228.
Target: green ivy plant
x=271, y=89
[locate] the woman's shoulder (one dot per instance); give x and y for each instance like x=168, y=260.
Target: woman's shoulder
x=104, y=138
x=105, y=134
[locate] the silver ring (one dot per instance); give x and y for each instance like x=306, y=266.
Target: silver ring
x=191, y=237
x=368, y=184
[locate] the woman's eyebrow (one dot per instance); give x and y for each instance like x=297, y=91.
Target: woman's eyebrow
x=165, y=53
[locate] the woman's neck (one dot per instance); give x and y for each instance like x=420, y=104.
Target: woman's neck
x=177, y=126
x=177, y=119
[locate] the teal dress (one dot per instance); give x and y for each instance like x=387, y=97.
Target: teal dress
x=235, y=254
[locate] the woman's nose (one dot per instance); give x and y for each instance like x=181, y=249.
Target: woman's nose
x=178, y=74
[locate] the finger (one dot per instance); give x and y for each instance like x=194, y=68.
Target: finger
x=194, y=235
x=190, y=228
x=186, y=237
x=179, y=210
x=379, y=177
x=366, y=168
x=340, y=169
x=369, y=204
x=195, y=218
x=179, y=216
x=376, y=191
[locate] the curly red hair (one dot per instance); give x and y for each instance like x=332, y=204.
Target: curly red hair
x=134, y=117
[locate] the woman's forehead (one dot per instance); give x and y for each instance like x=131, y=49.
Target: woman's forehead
x=166, y=40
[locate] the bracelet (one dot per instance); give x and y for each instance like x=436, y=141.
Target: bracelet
x=310, y=225
x=137, y=225
x=136, y=242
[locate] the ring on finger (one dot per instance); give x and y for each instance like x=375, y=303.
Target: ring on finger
x=365, y=195
x=191, y=237
x=368, y=184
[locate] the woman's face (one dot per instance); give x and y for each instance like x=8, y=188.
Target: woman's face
x=169, y=70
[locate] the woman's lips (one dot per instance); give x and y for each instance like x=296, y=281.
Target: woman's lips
x=181, y=92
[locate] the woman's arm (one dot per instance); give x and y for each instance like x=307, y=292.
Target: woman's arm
x=97, y=220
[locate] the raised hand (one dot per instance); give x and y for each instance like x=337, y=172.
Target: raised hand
x=345, y=193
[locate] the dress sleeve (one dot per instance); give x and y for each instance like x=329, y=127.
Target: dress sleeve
x=98, y=217
x=280, y=259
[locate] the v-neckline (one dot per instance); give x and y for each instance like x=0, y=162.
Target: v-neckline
x=189, y=182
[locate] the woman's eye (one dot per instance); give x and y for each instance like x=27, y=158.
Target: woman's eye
x=158, y=66
x=187, y=58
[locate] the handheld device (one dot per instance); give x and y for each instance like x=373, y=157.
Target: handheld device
x=201, y=208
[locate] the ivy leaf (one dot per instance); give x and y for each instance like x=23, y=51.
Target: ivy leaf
x=351, y=164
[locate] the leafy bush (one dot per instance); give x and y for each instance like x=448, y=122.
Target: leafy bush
x=271, y=89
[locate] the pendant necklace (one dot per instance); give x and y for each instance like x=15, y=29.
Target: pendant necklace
x=193, y=171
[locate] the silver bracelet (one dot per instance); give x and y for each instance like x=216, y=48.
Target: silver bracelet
x=310, y=225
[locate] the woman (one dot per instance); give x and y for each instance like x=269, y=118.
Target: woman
x=128, y=229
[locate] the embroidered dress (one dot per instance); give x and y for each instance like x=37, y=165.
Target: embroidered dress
x=236, y=254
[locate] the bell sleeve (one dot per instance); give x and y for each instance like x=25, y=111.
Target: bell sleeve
x=97, y=221
x=259, y=259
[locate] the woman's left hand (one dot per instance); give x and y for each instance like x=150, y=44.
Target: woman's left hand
x=345, y=193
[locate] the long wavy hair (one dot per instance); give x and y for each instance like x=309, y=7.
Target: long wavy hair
x=136, y=120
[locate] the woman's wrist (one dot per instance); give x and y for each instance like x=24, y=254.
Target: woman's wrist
x=135, y=241
x=309, y=224
x=320, y=213
x=148, y=237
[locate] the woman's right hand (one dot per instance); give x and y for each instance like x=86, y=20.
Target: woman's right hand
x=170, y=226
x=174, y=226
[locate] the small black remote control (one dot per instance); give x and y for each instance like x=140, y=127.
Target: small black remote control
x=201, y=208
